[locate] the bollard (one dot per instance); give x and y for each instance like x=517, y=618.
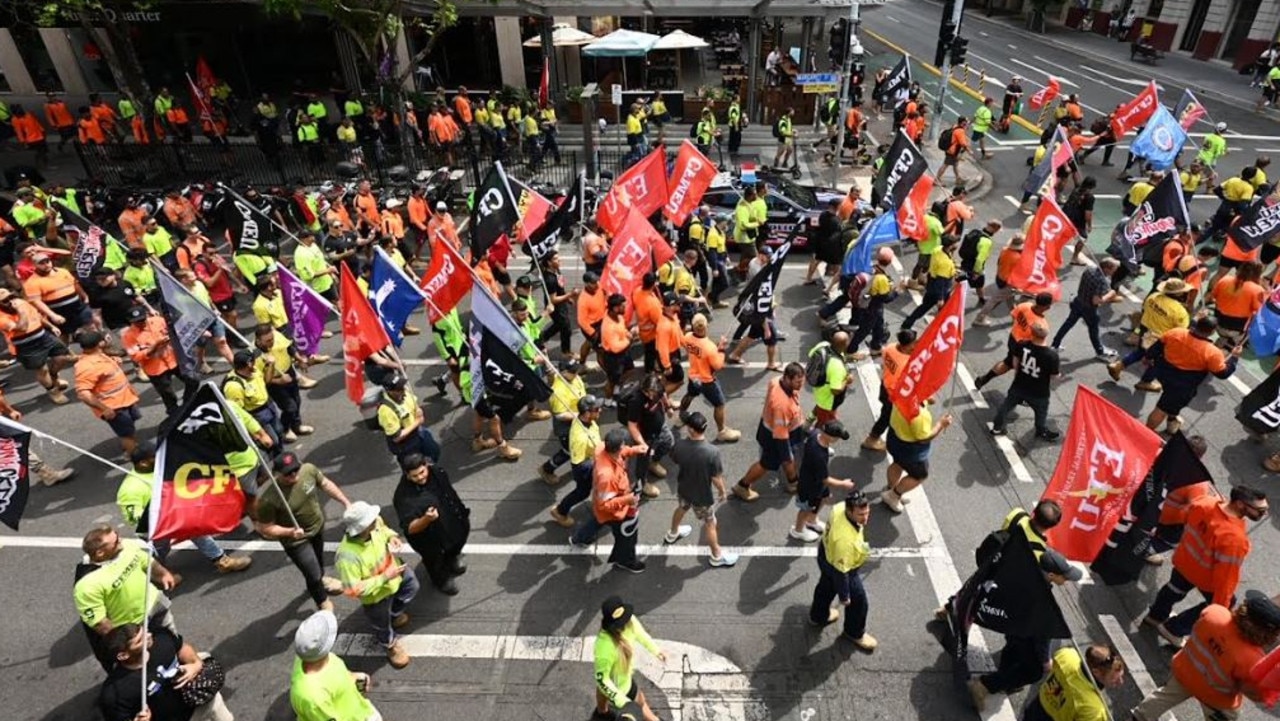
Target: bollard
x=1044, y=114
x=982, y=83
x=966, y=73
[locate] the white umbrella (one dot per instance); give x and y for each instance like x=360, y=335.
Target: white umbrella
x=562, y=36
x=621, y=44
x=679, y=40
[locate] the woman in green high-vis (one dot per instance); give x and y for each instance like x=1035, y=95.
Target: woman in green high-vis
x=620, y=632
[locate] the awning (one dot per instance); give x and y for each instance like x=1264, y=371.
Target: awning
x=664, y=8
x=679, y=40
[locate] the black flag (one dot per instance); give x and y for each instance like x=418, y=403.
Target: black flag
x=494, y=212
x=899, y=79
x=15, y=474
x=1123, y=556
x=1260, y=410
x=902, y=167
x=501, y=375
x=93, y=248
x=558, y=226
x=1159, y=216
x=1258, y=224
x=249, y=225
x=756, y=299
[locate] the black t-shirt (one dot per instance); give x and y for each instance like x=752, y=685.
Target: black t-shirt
x=114, y=302
x=121, y=696
x=1077, y=206
x=815, y=468
x=1036, y=366
x=554, y=283
x=412, y=500
x=335, y=244
x=648, y=415
x=699, y=462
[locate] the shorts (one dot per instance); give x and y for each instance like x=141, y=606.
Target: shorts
x=77, y=315
x=676, y=374
x=706, y=514
x=950, y=159
x=500, y=274
x=756, y=332
x=710, y=390
x=1229, y=323
x=484, y=409
x=225, y=306
x=592, y=336
x=36, y=354
x=1011, y=353
x=1175, y=397
x=774, y=452
x=979, y=135
x=1225, y=262
x=616, y=365
x=911, y=457
x=976, y=280
x=124, y=423
x=809, y=502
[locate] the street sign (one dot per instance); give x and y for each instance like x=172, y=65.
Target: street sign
x=817, y=79
x=815, y=89
x=616, y=97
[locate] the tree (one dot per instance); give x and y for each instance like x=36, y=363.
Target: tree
x=107, y=22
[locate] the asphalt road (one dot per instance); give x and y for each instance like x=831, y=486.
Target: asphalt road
x=507, y=645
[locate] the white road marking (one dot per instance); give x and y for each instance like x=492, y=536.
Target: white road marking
x=716, y=688
x=896, y=20
x=1012, y=46
x=1239, y=385
x=1125, y=81
x=1016, y=466
x=1137, y=669
x=1044, y=73
x=513, y=549
x=982, y=34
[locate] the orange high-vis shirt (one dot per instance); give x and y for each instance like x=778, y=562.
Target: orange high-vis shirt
x=139, y=128
x=367, y=208
x=101, y=375
x=959, y=140
x=1024, y=316
x=23, y=323
x=782, y=412
x=1213, y=548
x=462, y=106
x=1173, y=250
x=132, y=225
x=28, y=129
x=89, y=131
x=1177, y=503
x=140, y=343
x=893, y=361
x=1184, y=351
x=338, y=212
x=56, y=287
x=1007, y=261
x=392, y=224
x=442, y=223
x=705, y=358
x=614, y=336
x=1215, y=663
x=180, y=212
x=592, y=245
x=58, y=115
x=668, y=341
x=611, y=485
x=419, y=213
x=103, y=114
x=1232, y=251
x=1238, y=300
x=847, y=206
x=177, y=116
x=591, y=310
x=648, y=313
x=853, y=120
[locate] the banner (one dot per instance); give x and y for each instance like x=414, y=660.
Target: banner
x=94, y=248
x=1161, y=141
x=559, y=226
x=1045, y=95
x=494, y=213
x=934, y=359
x=362, y=333
x=913, y=211
x=446, y=281
x=689, y=181
x=307, y=310
x=498, y=374
x=15, y=474
x=860, y=258
x=490, y=313
x=394, y=295
x=1258, y=224
x=188, y=318
x=637, y=249
x=197, y=492
x=899, y=79
x=1037, y=268
x=1134, y=113
x=1058, y=154
x=247, y=225
x=1124, y=555
x=756, y=298
x=533, y=209
x=1159, y=216
x=1105, y=456
x=643, y=186
x=1189, y=110
x=1260, y=410
x=902, y=167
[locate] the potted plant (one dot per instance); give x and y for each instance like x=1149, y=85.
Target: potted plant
x=573, y=98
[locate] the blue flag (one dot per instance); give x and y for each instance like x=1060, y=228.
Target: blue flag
x=1264, y=330
x=1161, y=140
x=393, y=294
x=858, y=259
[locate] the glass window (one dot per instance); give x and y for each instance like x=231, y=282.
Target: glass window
x=94, y=68
x=36, y=56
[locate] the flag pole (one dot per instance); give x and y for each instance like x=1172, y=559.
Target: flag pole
x=478, y=282
x=146, y=609
x=262, y=460
x=155, y=264
x=4, y=421
x=506, y=182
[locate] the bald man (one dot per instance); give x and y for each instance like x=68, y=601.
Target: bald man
x=1035, y=366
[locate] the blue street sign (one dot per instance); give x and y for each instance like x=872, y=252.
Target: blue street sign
x=817, y=79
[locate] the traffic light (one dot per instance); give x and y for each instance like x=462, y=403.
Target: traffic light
x=946, y=34
x=959, y=50
x=839, y=42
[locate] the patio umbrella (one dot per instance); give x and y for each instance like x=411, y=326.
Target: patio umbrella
x=562, y=36
x=621, y=44
x=679, y=40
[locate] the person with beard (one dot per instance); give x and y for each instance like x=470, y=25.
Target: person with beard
x=434, y=520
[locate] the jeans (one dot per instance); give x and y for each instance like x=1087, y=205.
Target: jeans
x=935, y=294
x=829, y=582
x=1039, y=406
x=439, y=562
x=582, y=477
x=288, y=398
x=659, y=446
x=833, y=306
x=1172, y=593
x=164, y=385
x=559, y=325
x=420, y=441
x=720, y=275
x=1090, y=317
x=207, y=547
x=1172, y=694
x=550, y=146
x=561, y=430
x=381, y=614
x=269, y=416
x=309, y=558
x=1021, y=664
x=1135, y=355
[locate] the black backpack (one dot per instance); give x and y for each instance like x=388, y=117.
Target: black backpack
x=944, y=139
x=777, y=129
x=994, y=542
x=623, y=397
x=693, y=130
x=1153, y=254
x=969, y=247
x=815, y=371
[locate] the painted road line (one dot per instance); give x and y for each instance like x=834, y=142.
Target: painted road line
x=1239, y=385
x=1044, y=73
x=1016, y=466
x=1137, y=669
x=513, y=549
x=1125, y=81
x=697, y=682
x=966, y=380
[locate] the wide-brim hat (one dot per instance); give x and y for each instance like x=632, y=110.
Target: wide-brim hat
x=315, y=637
x=1173, y=286
x=359, y=516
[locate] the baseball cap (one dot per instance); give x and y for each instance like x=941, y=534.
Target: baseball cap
x=136, y=314
x=670, y=298
x=1262, y=609
x=395, y=382
x=570, y=365
x=1220, y=127
x=524, y=281
x=440, y=206
x=288, y=463
x=615, y=614
x=1053, y=562
x=835, y=429
x=696, y=421
x=588, y=403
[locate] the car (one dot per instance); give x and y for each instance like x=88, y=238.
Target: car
x=790, y=204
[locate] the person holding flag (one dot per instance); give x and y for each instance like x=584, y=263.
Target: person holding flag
x=402, y=421
x=277, y=361
x=246, y=388
x=114, y=590
x=169, y=666
x=147, y=343
x=1183, y=359
x=941, y=280
x=1073, y=690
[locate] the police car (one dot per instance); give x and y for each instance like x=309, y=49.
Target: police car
x=790, y=204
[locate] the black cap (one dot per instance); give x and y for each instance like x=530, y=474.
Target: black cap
x=614, y=614
x=242, y=359
x=135, y=314
x=395, y=382
x=570, y=365
x=670, y=298
x=1262, y=609
x=288, y=463
x=696, y=421
x=142, y=452
x=1053, y=562
x=835, y=429
x=588, y=403
x=524, y=281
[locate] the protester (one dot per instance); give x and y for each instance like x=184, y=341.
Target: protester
x=614, y=502
x=841, y=554
x=646, y=414
x=892, y=362
x=815, y=481
x=909, y=444
x=1035, y=366
x=434, y=520
x=706, y=359
x=1183, y=360
x=172, y=668
x=146, y=341
x=321, y=687
x=402, y=421
x=780, y=429
x=1025, y=316
x=1073, y=689
x=102, y=385
x=370, y=571
x=614, y=653
x=1093, y=292
x=583, y=442
x=701, y=471
x=829, y=393
x=34, y=340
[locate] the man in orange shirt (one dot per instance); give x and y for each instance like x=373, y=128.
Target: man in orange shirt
x=89, y=130
x=591, y=312
x=146, y=341
x=180, y=211
x=1215, y=666
x=58, y=296
x=1175, y=506
x=33, y=340
x=462, y=107
x=892, y=361
x=614, y=502
x=443, y=132
x=102, y=385
x=1184, y=358
x=781, y=428
x=105, y=115
x=1025, y=315
x=30, y=133
x=366, y=204
x=615, y=342
x=959, y=146
x=419, y=217
x=668, y=340
x=133, y=222
x=1008, y=259
x=647, y=302
x=706, y=358
x=442, y=223
x=60, y=119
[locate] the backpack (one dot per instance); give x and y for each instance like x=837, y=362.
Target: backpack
x=623, y=397
x=1153, y=254
x=815, y=371
x=994, y=542
x=969, y=247
x=693, y=130
x=939, y=210
x=777, y=129
x=945, y=138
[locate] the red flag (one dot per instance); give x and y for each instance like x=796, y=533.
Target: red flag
x=446, y=281
x=534, y=209
x=362, y=333
x=934, y=359
x=643, y=185
x=1037, y=268
x=912, y=212
x=201, y=102
x=1106, y=455
x=544, y=86
x=204, y=75
x=500, y=251
x=1135, y=112
x=636, y=248
x=1045, y=95
x=693, y=175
